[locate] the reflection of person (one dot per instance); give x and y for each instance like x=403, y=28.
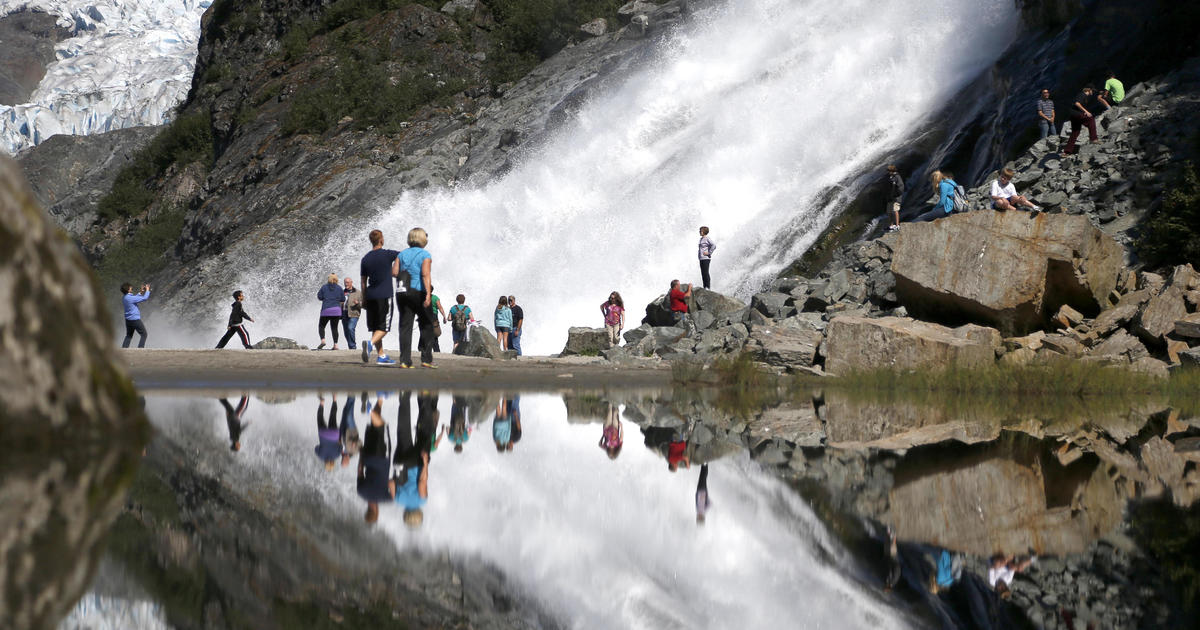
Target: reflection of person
x=233, y=419
x=614, y=434
x=514, y=412
x=702, y=500
x=373, y=463
x=329, y=444
x=893, y=563
x=460, y=429
x=677, y=452
x=348, y=432
x=410, y=464
x=502, y=426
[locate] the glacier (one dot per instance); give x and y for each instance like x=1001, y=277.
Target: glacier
x=128, y=63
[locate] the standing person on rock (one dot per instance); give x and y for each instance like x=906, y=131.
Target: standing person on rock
x=943, y=185
x=705, y=252
x=414, y=290
x=332, y=297
x=351, y=313
x=679, y=303
x=133, y=315
x=376, y=279
x=614, y=317
x=502, y=319
x=234, y=326
x=460, y=320
x=895, y=193
x=1045, y=115
x=1005, y=197
x=1083, y=114
x=518, y=323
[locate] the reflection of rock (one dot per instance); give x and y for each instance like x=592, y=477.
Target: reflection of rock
x=585, y=408
x=68, y=414
x=797, y=424
x=854, y=423
x=861, y=343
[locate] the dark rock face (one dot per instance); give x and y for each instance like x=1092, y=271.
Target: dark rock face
x=68, y=414
x=27, y=40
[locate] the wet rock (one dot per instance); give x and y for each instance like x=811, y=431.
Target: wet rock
x=1004, y=269
x=480, y=342
x=596, y=27
x=585, y=341
x=638, y=26
x=279, y=343
x=858, y=343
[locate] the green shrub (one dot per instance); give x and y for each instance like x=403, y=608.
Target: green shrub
x=188, y=139
x=533, y=30
x=143, y=254
x=1171, y=236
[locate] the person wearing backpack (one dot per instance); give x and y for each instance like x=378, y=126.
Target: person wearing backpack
x=895, y=193
x=460, y=320
x=944, y=185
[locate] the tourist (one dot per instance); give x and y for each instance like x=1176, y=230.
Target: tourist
x=614, y=434
x=410, y=464
x=352, y=310
x=678, y=447
x=514, y=414
x=436, y=309
x=460, y=320
x=518, y=322
x=374, y=462
x=894, y=195
x=376, y=278
x=703, y=502
x=705, y=252
x=414, y=288
x=503, y=321
x=1005, y=197
x=502, y=426
x=1045, y=114
x=133, y=315
x=329, y=442
x=233, y=421
x=614, y=317
x=1114, y=88
x=234, y=325
x=460, y=429
x=948, y=571
x=943, y=185
x=348, y=431
x=1083, y=114
x=332, y=297
x=1002, y=569
x=679, y=305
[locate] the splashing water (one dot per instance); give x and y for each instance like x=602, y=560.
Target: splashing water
x=748, y=115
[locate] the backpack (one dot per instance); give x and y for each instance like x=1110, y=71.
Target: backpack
x=458, y=318
x=960, y=199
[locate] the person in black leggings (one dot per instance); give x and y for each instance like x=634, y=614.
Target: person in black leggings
x=233, y=419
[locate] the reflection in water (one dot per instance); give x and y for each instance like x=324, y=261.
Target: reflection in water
x=233, y=420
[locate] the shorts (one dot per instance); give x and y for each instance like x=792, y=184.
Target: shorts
x=458, y=335
x=894, y=207
x=379, y=314
x=994, y=207
x=503, y=329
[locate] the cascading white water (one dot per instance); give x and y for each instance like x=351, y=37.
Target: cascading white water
x=747, y=115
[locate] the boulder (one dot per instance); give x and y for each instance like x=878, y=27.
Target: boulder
x=712, y=303
x=455, y=6
x=1066, y=317
x=586, y=341
x=596, y=27
x=480, y=342
x=1122, y=345
x=1006, y=269
x=860, y=343
x=784, y=345
x=772, y=304
x=1188, y=326
x=1113, y=319
x=278, y=343
x=1174, y=347
x=627, y=11
x=1190, y=358
x=639, y=25
x=1159, y=315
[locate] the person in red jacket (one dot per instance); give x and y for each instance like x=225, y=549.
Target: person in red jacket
x=679, y=306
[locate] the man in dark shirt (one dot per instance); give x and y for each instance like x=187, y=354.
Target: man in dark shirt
x=1083, y=114
x=376, y=281
x=518, y=317
x=374, y=464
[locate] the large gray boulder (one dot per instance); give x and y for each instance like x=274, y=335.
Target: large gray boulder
x=710, y=304
x=585, y=341
x=480, y=342
x=861, y=343
x=1157, y=318
x=1008, y=270
x=785, y=344
x=68, y=412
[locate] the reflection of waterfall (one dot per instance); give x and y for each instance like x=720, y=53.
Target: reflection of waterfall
x=744, y=120
x=600, y=543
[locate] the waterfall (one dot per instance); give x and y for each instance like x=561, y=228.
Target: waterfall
x=744, y=118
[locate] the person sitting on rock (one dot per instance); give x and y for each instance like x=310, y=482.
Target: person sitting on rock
x=1005, y=197
x=1083, y=114
x=943, y=185
x=1002, y=569
x=679, y=306
x=1114, y=89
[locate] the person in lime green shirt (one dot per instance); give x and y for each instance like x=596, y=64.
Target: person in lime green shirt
x=1115, y=89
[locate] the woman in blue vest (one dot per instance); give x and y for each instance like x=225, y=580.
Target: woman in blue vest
x=414, y=290
x=944, y=185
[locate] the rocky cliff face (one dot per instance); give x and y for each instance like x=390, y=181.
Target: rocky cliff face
x=27, y=40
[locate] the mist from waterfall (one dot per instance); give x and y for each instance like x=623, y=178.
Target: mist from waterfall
x=745, y=118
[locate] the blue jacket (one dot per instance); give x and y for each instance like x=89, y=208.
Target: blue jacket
x=130, y=301
x=331, y=295
x=504, y=317
x=946, y=198
x=411, y=260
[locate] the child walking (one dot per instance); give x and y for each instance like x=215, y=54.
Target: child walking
x=133, y=315
x=235, y=327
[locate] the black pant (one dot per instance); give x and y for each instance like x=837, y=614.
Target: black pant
x=704, y=272
x=132, y=325
x=411, y=304
x=332, y=423
x=334, y=321
x=1077, y=125
x=409, y=449
x=238, y=330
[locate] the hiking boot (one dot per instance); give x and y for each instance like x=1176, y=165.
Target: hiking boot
x=366, y=351
x=385, y=360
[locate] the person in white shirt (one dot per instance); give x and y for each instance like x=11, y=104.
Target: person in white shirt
x=1002, y=571
x=1005, y=197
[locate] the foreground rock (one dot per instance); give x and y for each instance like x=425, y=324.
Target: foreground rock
x=586, y=341
x=279, y=343
x=63, y=398
x=480, y=342
x=1010, y=270
x=861, y=343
